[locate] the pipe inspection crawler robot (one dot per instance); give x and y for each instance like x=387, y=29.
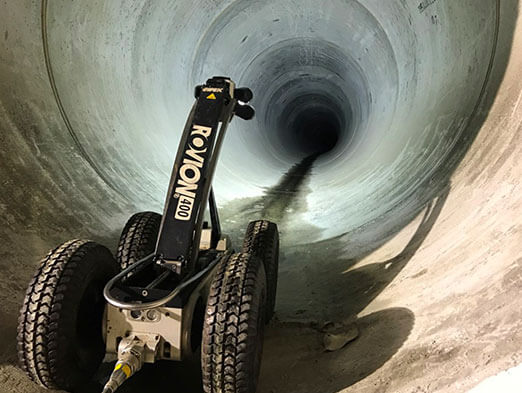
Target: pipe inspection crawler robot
x=176, y=288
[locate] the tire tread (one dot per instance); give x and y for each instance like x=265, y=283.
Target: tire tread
x=138, y=238
x=233, y=328
x=262, y=240
x=38, y=331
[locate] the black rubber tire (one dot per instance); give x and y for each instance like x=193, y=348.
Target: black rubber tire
x=262, y=240
x=233, y=330
x=60, y=340
x=138, y=238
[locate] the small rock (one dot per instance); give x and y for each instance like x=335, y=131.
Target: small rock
x=337, y=335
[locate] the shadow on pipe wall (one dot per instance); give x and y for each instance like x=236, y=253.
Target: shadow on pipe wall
x=381, y=334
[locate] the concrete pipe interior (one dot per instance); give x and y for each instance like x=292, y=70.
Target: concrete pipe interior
x=383, y=146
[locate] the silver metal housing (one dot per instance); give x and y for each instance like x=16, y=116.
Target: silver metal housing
x=171, y=327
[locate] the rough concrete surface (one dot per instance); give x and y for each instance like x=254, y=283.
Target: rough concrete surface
x=409, y=227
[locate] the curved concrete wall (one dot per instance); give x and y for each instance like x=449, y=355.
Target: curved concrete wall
x=408, y=224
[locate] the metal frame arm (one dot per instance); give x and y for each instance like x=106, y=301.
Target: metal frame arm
x=190, y=190
x=178, y=242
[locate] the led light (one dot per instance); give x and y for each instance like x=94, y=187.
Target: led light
x=153, y=315
x=135, y=314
